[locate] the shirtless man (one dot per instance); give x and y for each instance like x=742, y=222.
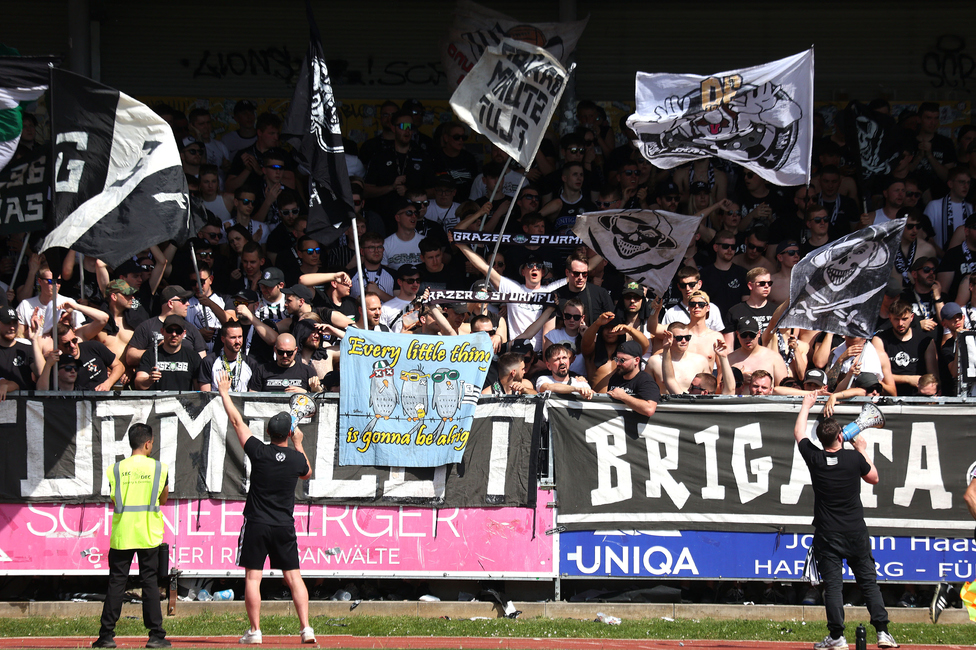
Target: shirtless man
x=599, y=345
x=787, y=254
x=685, y=364
x=703, y=338
x=752, y=356
x=117, y=332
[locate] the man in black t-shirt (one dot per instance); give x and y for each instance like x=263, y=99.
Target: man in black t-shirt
x=269, y=512
x=171, y=366
x=636, y=389
x=838, y=520
x=16, y=357
x=98, y=369
x=285, y=373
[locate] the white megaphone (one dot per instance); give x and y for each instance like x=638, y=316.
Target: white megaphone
x=870, y=417
x=300, y=406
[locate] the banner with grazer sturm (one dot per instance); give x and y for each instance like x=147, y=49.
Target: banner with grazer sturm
x=648, y=245
x=529, y=297
x=518, y=239
x=839, y=287
x=759, y=117
x=57, y=448
x=509, y=97
x=408, y=399
x=732, y=465
x=476, y=28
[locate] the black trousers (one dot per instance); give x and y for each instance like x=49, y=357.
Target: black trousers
x=831, y=549
x=119, y=562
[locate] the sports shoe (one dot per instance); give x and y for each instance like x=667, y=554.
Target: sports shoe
x=939, y=602
x=251, y=637
x=308, y=635
x=104, y=643
x=830, y=642
x=159, y=643
x=885, y=640
x=907, y=599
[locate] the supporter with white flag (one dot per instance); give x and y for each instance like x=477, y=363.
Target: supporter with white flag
x=647, y=245
x=760, y=118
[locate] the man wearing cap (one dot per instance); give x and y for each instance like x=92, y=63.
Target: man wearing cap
x=599, y=343
x=16, y=357
x=170, y=366
x=133, y=274
x=925, y=294
x=192, y=154
x=175, y=301
x=910, y=352
x=630, y=309
x=391, y=171
x=229, y=359
x=751, y=356
x=122, y=319
x=205, y=309
x=756, y=305
x=629, y=385
x=272, y=303
x=403, y=246
x=667, y=196
x=98, y=368
x=269, y=512
x=284, y=374
x=245, y=113
x=787, y=254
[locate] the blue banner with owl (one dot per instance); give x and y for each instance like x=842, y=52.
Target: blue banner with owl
x=408, y=400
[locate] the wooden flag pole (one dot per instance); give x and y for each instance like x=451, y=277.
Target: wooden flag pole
x=364, y=322
x=494, y=191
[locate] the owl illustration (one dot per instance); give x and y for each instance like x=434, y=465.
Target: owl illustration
x=447, y=395
x=413, y=394
x=383, y=397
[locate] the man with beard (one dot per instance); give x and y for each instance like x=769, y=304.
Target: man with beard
x=558, y=359
x=16, y=357
x=925, y=295
x=599, y=344
x=175, y=302
x=227, y=359
x=285, y=373
x=172, y=366
x=635, y=389
x=205, y=307
x=912, y=354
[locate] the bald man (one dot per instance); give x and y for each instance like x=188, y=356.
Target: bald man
x=286, y=373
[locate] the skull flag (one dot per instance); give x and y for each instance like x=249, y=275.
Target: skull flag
x=647, y=245
x=759, y=117
x=838, y=287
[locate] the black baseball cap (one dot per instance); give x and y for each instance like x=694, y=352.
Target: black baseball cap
x=667, y=187
x=8, y=315
x=408, y=269
x=699, y=187
x=245, y=105
x=272, y=277
x=173, y=319
x=246, y=294
x=175, y=291
x=632, y=348
x=279, y=426
x=127, y=267
x=300, y=290
x=747, y=324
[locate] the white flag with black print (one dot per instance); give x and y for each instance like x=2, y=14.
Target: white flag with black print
x=760, y=118
x=119, y=183
x=647, y=245
x=838, y=288
x=510, y=96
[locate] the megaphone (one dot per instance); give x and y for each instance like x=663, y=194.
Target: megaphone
x=300, y=406
x=870, y=417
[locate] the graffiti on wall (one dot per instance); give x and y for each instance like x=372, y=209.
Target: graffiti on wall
x=948, y=65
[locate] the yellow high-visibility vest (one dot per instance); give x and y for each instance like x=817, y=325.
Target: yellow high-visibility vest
x=136, y=484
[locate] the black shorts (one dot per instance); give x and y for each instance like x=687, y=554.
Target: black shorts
x=260, y=541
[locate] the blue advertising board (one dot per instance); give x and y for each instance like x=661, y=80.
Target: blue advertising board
x=750, y=556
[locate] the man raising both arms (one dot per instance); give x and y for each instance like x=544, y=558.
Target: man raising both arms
x=269, y=513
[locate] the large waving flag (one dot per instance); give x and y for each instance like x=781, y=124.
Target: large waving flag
x=477, y=28
x=510, y=96
x=760, y=118
x=312, y=127
x=22, y=80
x=839, y=287
x=119, y=182
x=647, y=245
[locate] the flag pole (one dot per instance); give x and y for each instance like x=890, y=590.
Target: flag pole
x=20, y=260
x=491, y=263
x=364, y=323
x=196, y=269
x=494, y=190
x=54, y=184
x=81, y=275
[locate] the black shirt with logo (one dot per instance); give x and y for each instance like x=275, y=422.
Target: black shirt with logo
x=642, y=386
x=274, y=474
x=272, y=378
x=15, y=364
x=94, y=361
x=179, y=368
x=836, y=477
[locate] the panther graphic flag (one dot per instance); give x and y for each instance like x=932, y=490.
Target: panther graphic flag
x=839, y=287
x=760, y=118
x=648, y=245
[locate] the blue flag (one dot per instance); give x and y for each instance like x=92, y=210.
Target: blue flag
x=408, y=400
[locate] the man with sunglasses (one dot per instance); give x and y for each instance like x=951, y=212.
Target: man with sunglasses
x=925, y=294
x=911, y=246
x=175, y=302
x=959, y=261
x=756, y=305
x=272, y=185
x=285, y=373
x=635, y=389
x=193, y=154
x=818, y=229
x=689, y=282
x=528, y=202
x=171, y=366
x=282, y=239
x=44, y=300
x=723, y=279
x=98, y=369
x=391, y=171
x=595, y=299
x=666, y=197
x=755, y=252
x=453, y=160
x=400, y=312
x=788, y=255
x=675, y=369
x=403, y=246
x=245, y=203
x=752, y=355
x=248, y=162
x=205, y=306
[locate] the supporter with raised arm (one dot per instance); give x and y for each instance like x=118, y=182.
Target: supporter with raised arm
x=175, y=302
x=676, y=367
x=511, y=377
x=599, y=345
x=98, y=368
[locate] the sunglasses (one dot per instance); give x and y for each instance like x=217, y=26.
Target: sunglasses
x=405, y=126
x=459, y=137
x=246, y=201
x=726, y=247
x=759, y=249
x=792, y=252
x=185, y=301
x=212, y=235
x=913, y=195
x=285, y=353
x=580, y=274
x=238, y=302
x=622, y=359
x=47, y=281
x=695, y=389
x=572, y=316
x=420, y=204
x=410, y=212
x=312, y=251
x=499, y=263
x=535, y=265
x=819, y=219
x=747, y=335
x=274, y=166
x=683, y=337
x=174, y=330
x=912, y=226
x=604, y=204
x=443, y=375
x=195, y=152
x=764, y=283
x=69, y=368
x=411, y=375
x=698, y=305
x=576, y=149
x=530, y=197
x=410, y=280
x=290, y=211
x=205, y=253
x=630, y=172
x=927, y=269
x=688, y=285
x=671, y=198
x=72, y=342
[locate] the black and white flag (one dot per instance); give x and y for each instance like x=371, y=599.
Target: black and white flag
x=839, y=287
x=510, y=95
x=312, y=128
x=647, y=245
x=760, y=118
x=119, y=182
x=878, y=138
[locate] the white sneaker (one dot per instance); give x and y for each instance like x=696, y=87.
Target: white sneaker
x=885, y=640
x=832, y=644
x=308, y=635
x=251, y=637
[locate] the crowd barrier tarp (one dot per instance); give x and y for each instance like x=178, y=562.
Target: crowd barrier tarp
x=333, y=540
x=701, y=554
x=733, y=465
x=57, y=449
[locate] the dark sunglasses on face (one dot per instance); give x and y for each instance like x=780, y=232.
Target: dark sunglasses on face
x=535, y=265
x=688, y=284
x=572, y=316
x=459, y=137
x=499, y=263
x=274, y=166
x=174, y=330
x=195, y=152
x=682, y=337
x=69, y=368
x=819, y=219
x=622, y=359
x=792, y=252
x=290, y=211
x=420, y=204
x=408, y=213
x=47, y=281
x=213, y=235
x=726, y=247
x=575, y=150
x=405, y=126
x=580, y=274
x=927, y=269
x=530, y=197
x=698, y=305
x=312, y=251
x=672, y=198
x=759, y=249
x=913, y=195
x=764, y=283
x=185, y=301
x=912, y=226
x=410, y=280
x=205, y=254
x=246, y=201
x=630, y=172
x=284, y=353
x=604, y=204
x=71, y=342
x=747, y=335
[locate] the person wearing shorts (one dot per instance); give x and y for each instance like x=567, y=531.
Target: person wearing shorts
x=269, y=513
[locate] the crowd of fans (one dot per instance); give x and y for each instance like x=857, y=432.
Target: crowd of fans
x=268, y=304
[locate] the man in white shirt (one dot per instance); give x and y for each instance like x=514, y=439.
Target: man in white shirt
x=443, y=209
x=403, y=246
x=44, y=299
x=397, y=313
x=689, y=281
x=949, y=213
x=558, y=359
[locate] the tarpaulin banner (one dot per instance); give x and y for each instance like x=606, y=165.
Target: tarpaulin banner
x=733, y=465
x=23, y=192
x=409, y=399
x=57, y=449
x=59, y=539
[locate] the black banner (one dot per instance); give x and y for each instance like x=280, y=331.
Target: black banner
x=732, y=464
x=23, y=193
x=70, y=441
x=529, y=297
x=474, y=237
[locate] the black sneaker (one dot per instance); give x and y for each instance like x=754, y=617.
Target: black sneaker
x=940, y=600
x=159, y=643
x=104, y=643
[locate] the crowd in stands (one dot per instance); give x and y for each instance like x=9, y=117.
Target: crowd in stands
x=269, y=305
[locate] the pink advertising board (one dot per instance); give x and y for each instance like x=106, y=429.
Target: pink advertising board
x=347, y=541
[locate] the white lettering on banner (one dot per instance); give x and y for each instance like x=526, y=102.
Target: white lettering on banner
x=709, y=441
x=924, y=442
x=388, y=518
x=397, y=487
x=882, y=439
x=610, y=442
x=790, y=493
x=498, y=459
x=323, y=484
x=656, y=561
x=115, y=449
x=212, y=415
x=75, y=167
x=82, y=483
x=750, y=436
x=661, y=466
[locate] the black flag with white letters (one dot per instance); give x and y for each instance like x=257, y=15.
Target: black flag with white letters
x=312, y=127
x=119, y=182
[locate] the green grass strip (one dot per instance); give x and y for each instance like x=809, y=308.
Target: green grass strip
x=740, y=630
